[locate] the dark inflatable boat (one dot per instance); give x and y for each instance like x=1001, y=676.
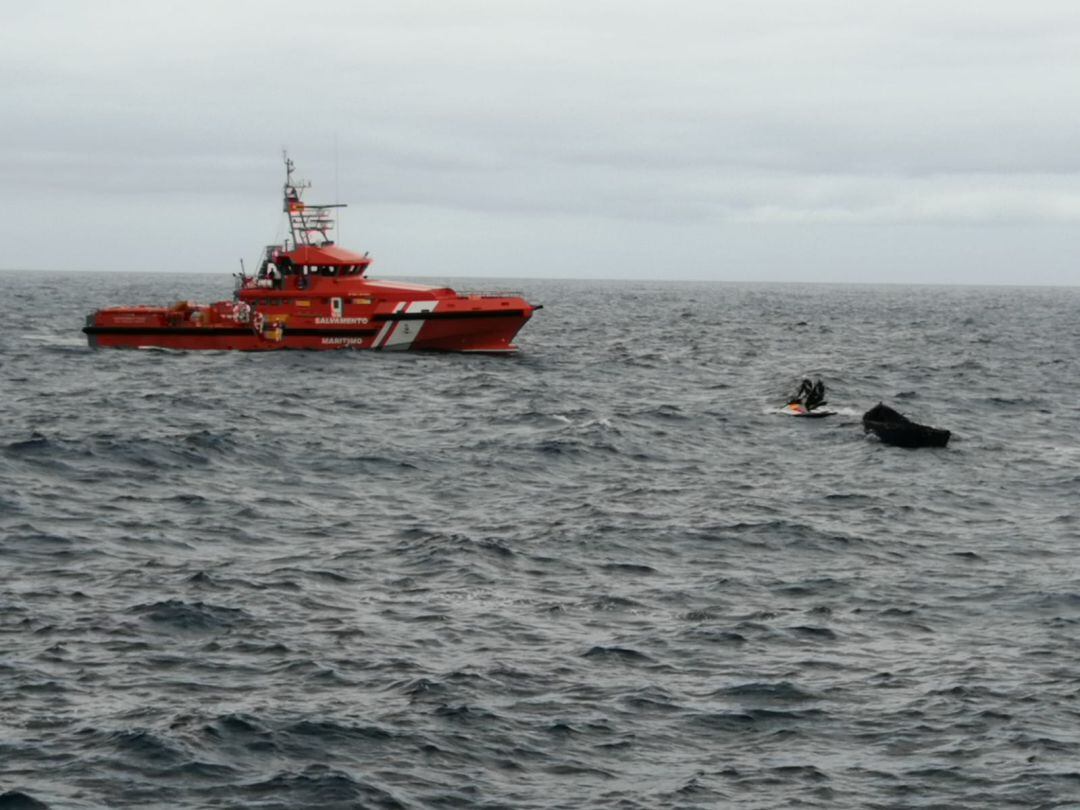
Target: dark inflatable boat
x=896, y=429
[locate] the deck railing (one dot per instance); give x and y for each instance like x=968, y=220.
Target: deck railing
x=491, y=293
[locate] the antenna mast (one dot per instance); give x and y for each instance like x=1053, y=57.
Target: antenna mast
x=305, y=220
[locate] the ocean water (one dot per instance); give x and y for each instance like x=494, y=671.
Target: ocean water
x=602, y=573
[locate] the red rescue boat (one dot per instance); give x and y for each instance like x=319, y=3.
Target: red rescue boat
x=311, y=294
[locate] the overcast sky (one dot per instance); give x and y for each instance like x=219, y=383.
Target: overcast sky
x=772, y=140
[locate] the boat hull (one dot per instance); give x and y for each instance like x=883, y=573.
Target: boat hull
x=488, y=326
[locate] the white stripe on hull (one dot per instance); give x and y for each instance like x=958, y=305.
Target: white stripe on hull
x=387, y=327
x=406, y=331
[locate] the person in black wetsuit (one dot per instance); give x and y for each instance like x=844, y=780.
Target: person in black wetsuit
x=816, y=397
x=810, y=395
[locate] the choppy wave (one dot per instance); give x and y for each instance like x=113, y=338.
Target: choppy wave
x=604, y=573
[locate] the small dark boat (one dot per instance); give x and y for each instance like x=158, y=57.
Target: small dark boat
x=896, y=429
